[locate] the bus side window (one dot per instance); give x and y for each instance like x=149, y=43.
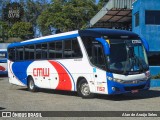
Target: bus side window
x=58, y=50
x=38, y=51
x=72, y=49
x=31, y=52
x=19, y=53
x=95, y=52
x=68, y=52
x=11, y=54
x=44, y=51
x=52, y=50
x=76, y=48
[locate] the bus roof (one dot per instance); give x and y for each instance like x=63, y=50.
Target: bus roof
x=94, y=32
x=110, y=33
x=49, y=38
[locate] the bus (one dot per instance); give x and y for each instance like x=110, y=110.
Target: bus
x=91, y=61
x=3, y=62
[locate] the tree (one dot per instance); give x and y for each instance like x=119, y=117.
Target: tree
x=67, y=15
x=101, y=3
x=22, y=30
x=32, y=9
x=3, y=30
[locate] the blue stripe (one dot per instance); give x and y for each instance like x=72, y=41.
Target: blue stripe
x=42, y=40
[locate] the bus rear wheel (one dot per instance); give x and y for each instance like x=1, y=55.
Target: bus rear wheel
x=84, y=90
x=31, y=85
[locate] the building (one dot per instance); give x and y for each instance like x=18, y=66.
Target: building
x=140, y=16
x=146, y=23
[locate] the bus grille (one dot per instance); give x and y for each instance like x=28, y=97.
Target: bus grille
x=134, y=88
x=134, y=81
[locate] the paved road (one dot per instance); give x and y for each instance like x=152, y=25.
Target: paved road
x=15, y=98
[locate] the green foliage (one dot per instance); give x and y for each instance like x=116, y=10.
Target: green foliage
x=21, y=29
x=101, y=3
x=67, y=15
x=156, y=76
x=4, y=30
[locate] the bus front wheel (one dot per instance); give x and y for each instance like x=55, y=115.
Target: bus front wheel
x=84, y=90
x=31, y=85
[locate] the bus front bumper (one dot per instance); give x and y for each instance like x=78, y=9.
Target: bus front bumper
x=119, y=88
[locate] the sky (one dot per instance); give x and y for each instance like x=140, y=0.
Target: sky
x=97, y=1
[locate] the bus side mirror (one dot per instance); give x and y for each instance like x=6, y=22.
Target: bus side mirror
x=146, y=45
x=105, y=45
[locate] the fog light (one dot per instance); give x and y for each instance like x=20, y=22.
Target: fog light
x=113, y=88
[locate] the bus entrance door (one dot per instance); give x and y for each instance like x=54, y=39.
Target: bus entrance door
x=99, y=72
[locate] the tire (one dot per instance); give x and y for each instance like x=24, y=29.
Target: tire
x=84, y=90
x=31, y=85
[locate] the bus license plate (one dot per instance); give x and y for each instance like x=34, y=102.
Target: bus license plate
x=134, y=91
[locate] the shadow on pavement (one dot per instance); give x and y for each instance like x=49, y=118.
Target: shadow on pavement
x=122, y=97
x=1, y=76
x=1, y=108
x=129, y=96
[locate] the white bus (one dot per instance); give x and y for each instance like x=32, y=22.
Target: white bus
x=102, y=61
x=3, y=62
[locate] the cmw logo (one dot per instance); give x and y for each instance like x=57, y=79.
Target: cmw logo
x=43, y=72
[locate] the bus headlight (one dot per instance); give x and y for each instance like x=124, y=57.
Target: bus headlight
x=118, y=80
x=115, y=80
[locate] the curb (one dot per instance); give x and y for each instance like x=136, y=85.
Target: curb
x=155, y=83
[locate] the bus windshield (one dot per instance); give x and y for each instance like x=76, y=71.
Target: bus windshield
x=127, y=57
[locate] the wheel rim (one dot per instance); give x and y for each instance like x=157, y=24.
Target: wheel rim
x=85, y=89
x=31, y=84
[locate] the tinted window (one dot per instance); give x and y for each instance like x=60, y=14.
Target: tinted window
x=68, y=52
x=29, y=52
x=19, y=53
x=11, y=54
x=38, y=51
x=44, y=51
x=152, y=17
x=137, y=19
x=154, y=58
x=95, y=51
x=58, y=50
x=52, y=50
x=87, y=41
x=76, y=49
x=72, y=49
x=98, y=56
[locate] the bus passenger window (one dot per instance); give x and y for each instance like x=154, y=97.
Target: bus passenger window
x=38, y=51
x=68, y=52
x=44, y=51
x=76, y=48
x=58, y=50
x=52, y=50
x=19, y=53
x=11, y=54
x=31, y=52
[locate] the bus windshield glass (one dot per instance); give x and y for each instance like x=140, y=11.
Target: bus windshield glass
x=127, y=57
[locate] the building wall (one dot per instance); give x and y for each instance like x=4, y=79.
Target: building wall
x=150, y=32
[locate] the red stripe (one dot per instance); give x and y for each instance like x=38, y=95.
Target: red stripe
x=2, y=68
x=64, y=79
